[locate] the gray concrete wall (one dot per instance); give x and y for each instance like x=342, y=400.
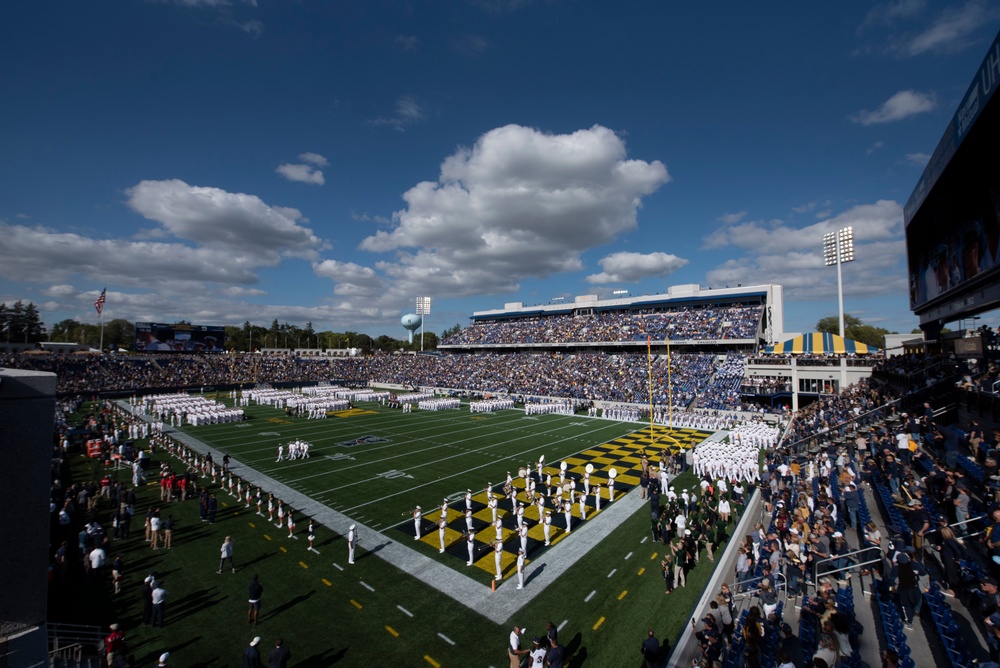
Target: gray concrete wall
x=27, y=409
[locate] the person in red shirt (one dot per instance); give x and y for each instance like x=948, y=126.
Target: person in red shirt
x=114, y=644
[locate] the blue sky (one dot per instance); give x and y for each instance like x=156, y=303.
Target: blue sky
x=218, y=161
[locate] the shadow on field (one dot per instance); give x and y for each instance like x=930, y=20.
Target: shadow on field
x=290, y=604
x=327, y=658
x=376, y=548
x=578, y=654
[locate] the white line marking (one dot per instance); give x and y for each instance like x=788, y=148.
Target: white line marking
x=559, y=628
x=338, y=566
x=366, y=585
x=589, y=596
x=644, y=539
x=628, y=555
x=612, y=572
x=446, y=639
x=405, y=611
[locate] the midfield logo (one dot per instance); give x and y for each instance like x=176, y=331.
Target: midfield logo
x=364, y=440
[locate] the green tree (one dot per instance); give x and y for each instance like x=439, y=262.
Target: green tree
x=451, y=331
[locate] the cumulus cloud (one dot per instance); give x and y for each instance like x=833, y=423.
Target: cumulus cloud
x=217, y=219
x=305, y=171
x=631, y=267
x=902, y=105
x=518, y=203
x=301, y=173
x=774, y=252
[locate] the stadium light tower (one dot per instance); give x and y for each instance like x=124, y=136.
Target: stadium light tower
x=423, y=308
x=838, y=248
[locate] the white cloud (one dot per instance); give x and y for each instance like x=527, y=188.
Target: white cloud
x=408, y=43
x=902, y=105
x=61, y=290
x=732, y=218
x=217, y=219
x=952, y=30
x=891, y=12
x=874, y=147
x=470, y=46
x=917, y=159
x=301, y=173
x=408, y=111
x=518, y=203
x=314, y=159
x=792, y=257
x=632, y=267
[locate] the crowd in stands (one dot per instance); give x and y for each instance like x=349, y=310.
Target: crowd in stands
x=695, y=380
x=709, y=323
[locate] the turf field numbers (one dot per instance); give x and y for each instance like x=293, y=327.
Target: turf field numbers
x=393, y=474
x=340, y=456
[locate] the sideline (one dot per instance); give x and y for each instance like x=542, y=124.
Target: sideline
x=685, y=651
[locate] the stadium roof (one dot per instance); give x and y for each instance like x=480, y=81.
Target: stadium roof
x=818, y=343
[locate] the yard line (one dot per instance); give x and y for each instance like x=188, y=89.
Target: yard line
x=641, y=571
x=405, y=611
x=326, y=582
x=461, y=474
x=432, y=661
x=560, y=627
x=356, y=604
x=451, y=443
x=628, y=555
x=392, y=631
x=644, y=539
x=589, y=596
x=338, y=566
x=599, y=622
x=446, y=639
x=367, y=586
x=613, y=570
x=622, y=595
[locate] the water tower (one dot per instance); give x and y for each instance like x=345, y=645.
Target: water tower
x=411, y=322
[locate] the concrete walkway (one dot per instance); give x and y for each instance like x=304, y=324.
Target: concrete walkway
x=497, y=606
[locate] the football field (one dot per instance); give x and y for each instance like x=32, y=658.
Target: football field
x=374, y=465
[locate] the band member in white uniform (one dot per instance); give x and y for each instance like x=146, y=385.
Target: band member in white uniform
x=520, y=569
x=470, y=542
x=493, y=507
x=416, y=523
x=523, y=533
x=583, y=506
x=547, y=526
x=352, y=542
x=497, y=552
x=442, y=526
x=568, y=513
x=597, y=498
x=468, y=520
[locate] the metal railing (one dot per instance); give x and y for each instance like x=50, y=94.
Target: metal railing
x=818, y=572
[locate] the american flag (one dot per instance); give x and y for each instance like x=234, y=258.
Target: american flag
x=99, y=304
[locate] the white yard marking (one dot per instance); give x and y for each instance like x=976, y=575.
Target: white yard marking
x=405, y=611
x=366, y=586
x=589, y=596
x=446, y=639
x=613, y=571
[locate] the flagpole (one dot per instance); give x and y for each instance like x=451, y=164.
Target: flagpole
x=102, y=330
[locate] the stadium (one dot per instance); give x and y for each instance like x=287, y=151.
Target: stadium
x=669, y=479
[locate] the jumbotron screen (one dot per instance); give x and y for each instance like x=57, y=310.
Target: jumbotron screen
x=953, y=215
x=156, y=337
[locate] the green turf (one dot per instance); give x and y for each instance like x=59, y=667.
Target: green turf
x=344, y=622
